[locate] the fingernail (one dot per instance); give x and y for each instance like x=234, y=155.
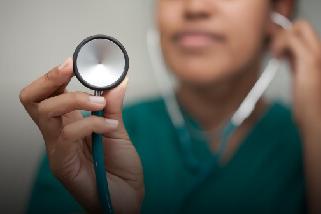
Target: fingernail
x=111, y=123
x=65, y=64
x=97, y=99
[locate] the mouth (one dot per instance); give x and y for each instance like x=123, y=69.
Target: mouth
x=196, y=40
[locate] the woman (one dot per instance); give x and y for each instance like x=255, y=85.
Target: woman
x=215, y=50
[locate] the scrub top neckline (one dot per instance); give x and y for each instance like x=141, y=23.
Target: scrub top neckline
x=245, y=141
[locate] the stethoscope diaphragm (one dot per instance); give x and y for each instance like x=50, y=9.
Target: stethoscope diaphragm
x=100, y=62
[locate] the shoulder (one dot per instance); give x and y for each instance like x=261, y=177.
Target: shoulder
x=279, y=119
x=147, y=121
x=142, y=107
x=280, y=130
x=144, y=112
x=149, y=104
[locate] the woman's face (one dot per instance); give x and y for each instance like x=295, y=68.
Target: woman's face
x=206, y=41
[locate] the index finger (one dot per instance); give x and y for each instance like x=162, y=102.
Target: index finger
x=48, y=84
x=306, y=31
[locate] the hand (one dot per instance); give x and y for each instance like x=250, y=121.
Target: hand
x=67, y=136
x=302, y=46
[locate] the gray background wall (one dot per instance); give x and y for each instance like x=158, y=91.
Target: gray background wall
x=39, y=34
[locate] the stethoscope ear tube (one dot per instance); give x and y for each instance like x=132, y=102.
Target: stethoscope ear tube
x=243, y=112
x=245, y=109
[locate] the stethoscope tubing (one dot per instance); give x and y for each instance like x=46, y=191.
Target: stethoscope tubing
x=97, y=139
x=100, y=169
x=178, y=121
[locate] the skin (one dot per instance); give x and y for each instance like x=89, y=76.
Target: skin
x=216, y=59
x=302, y=46
x=67, y=137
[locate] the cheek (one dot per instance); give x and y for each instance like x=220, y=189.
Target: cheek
x=168, y=16
x=243, y=22
x=248, y=32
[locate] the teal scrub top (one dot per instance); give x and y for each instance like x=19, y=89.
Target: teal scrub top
x=265, y=175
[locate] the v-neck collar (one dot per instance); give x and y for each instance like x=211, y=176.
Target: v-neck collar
x=201, y=150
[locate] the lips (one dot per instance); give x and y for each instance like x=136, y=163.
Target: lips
x=197, y=39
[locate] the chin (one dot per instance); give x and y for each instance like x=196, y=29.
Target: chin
x=198, y=74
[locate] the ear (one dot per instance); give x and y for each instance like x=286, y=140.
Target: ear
x=285, y=8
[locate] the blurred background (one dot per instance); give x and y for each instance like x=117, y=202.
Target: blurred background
x=39, y=34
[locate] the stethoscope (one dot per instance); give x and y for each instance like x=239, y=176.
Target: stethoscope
x=244, y=110
x=100, y=63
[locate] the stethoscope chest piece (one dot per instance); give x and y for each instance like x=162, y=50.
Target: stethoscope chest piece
x=100, y=62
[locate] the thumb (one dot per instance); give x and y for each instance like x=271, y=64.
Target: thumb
x=114, y=107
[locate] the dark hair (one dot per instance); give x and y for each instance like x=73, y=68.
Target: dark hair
x=295, y=8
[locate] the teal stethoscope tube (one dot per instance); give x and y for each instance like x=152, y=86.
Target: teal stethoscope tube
x=108, y=53
x=100, y=171
x=185, y=144
x=204, y=171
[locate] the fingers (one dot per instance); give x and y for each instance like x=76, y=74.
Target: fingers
x=301, y=41
x=68, y=102
x=310, y=37
x=114, y=107
x=82, y=128
x=114, y=100
x=48, y=84
x=288, y=42
x=66, y=147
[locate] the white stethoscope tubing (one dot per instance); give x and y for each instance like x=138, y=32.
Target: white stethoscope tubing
x=246, y=107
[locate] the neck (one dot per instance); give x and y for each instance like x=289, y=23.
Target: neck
x=211, y=105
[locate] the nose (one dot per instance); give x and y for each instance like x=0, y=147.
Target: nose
x=196, y=9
